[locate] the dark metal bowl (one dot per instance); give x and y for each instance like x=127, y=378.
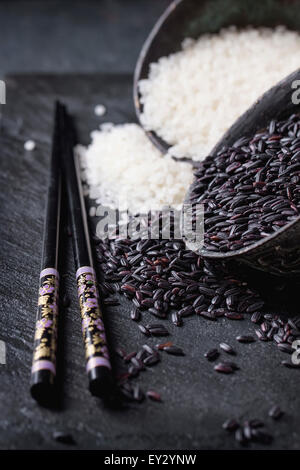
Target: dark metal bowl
x=279, y=253
x=192, y=18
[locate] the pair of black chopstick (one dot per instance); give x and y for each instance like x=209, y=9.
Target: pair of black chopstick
x=64, y=167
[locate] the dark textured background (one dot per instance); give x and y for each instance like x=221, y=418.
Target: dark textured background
x=196, y=400
x=74, y=35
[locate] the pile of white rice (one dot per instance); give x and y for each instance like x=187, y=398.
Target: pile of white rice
x=192, y=97
x=123, y=169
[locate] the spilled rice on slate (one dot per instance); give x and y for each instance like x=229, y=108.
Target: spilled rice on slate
x=162, y=277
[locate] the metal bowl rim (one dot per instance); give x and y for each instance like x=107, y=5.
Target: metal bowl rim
x=161, y=144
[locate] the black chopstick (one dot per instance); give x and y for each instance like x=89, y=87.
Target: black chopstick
x=98, y=365
x=45, y=341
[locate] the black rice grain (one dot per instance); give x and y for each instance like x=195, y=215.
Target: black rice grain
x=176, y=319
x=144, y=330
x=212, y=354
x=245, y=339
x=231, y=364
x=234, y=316
x=256, y=423
x=135, y=314
x=223, y=368
x=230, y=425
x=63, y=438
x=153, y=395
x=174, y=350
x=151, y=360
x=286, y=348
x=290, y=365
x=261, y=437
x=129, y=356
x=157, y=330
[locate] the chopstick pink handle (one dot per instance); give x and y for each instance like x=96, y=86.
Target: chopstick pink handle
x=45, y=339
x=93, y=332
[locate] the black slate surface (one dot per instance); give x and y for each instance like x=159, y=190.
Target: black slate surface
x=66, y=36
x=196, y=400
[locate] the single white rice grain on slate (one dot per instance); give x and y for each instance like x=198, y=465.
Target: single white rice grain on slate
x=29, y=145
x=100, y=110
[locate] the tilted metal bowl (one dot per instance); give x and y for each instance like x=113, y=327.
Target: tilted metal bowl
x=279, y=253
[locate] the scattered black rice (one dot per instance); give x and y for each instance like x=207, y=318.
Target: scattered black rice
x=249, y=431
x=162, y=277
x=186, y=284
